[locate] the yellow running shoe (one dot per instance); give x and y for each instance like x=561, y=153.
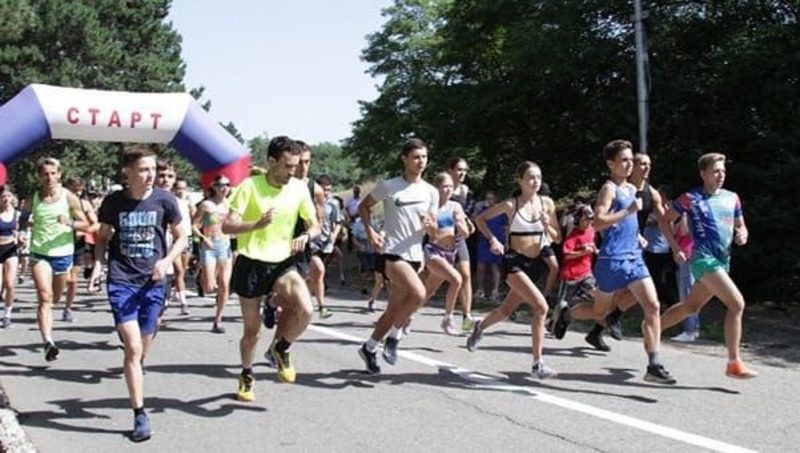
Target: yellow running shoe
x=246, y=384
x=286, y=371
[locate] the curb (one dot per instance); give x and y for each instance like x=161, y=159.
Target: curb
x=13, y=438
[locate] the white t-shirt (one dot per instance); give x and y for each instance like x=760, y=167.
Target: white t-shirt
x=403, y=203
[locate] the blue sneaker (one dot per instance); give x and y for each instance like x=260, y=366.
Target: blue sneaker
x=141, y=428
x=390, y=350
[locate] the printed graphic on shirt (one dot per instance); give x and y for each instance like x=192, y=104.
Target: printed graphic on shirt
x=137, y=235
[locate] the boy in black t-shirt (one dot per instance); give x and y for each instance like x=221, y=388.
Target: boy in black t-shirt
x=134, y=225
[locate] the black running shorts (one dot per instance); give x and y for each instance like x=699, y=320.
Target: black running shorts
x=253, y=278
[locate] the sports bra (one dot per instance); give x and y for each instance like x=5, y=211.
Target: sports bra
x=520, y=226
x=446, y=218
x=7, y=228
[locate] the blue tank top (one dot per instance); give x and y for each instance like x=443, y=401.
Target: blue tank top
x=621, y=240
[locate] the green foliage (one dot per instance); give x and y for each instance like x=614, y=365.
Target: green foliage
x=103, y=44
x=330, y=159
x=501, y=81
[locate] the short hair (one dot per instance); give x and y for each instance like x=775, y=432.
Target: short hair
x=639, y=156
x=164, y=164
x=412, y=144
x=132, y=153
x=181, y=179
x=615, y=147
x=709, y=159
x=356, y=190
x=74, y=181
x=324, y=180
x=282, y=144
x=303, y=146
x=48, y=161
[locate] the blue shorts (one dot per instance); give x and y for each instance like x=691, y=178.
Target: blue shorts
x=133, y=302
x=60, y=265
x=616, y=274
x=220, y=251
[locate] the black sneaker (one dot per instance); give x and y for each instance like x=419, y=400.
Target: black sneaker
x=390, y=350
x=268, y=315
x=614, y=326
x=475, y=337
x=561, y=320
x=50, y=352
x=596, y=340
x=658, y=374
x=371, y=306
x=370, y=360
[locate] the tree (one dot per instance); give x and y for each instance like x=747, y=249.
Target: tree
x=103, y=44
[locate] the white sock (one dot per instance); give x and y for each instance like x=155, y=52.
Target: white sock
x=371, y=345
x=181, y=297
x=396, y=333
x=7, y=313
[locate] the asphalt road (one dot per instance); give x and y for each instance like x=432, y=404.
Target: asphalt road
x=439, y=397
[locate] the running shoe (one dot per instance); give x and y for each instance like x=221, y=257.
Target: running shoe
x=480, y=294
x=448, y=326
x=6, y=322
x=390, y=350
x=246, y=384
x=50, y=352
x=685, y=337
x=371, y=305
x=370, y=360
x=66, y=315
x=217, y=328
x=286, y=371
x=141, y=428
x=466, y=325
x=184, y=309
x=737, y=369
x=324, y=313
x=561, y=320
x=268, y=315
x=659, y=374
x=542, y=371
x=596, y=340
x=475, y=337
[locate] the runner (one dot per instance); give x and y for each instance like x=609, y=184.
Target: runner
x=715, y=220
x=409, y=206
x=620, y=265
x=530, y=217
x=440, y=251
x=133, y=228
x=215, y=246
x=263, y=212
x=458, y=169
x=80, y=256
x=182, y=264
x=323, y=246
x=9, y=232
x=55, y=214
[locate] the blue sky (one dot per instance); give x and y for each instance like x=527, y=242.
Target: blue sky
x=280, y=67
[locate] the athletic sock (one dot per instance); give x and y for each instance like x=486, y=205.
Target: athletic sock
x=653, y=359
x=247, y=371
x=396, y=333
x=596, y=330
x=138, y=411
x=614, y=315
x=282, y=345
x=371, y=345
x=7, y=313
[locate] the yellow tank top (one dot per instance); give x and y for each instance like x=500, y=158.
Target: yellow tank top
x=49, y=237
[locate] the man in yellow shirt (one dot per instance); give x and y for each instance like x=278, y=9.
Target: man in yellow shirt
x=263, y=212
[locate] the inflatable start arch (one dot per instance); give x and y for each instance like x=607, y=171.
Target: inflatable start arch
x=43, y=112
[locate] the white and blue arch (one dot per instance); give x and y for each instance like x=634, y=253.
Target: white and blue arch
x=43, y=112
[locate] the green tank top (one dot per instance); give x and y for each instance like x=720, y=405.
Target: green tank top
x=49, y=237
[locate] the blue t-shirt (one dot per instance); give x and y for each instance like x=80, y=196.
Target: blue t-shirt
x=711, y=221
x=140, y=238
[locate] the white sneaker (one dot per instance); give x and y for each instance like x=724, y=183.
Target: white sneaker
x=685, y=337
x=542, y=371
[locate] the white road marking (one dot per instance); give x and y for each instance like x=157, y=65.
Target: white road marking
x=488, y=382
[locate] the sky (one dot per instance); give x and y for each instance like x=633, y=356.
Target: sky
x=280, y=67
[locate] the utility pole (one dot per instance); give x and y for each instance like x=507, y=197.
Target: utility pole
x=641, y=75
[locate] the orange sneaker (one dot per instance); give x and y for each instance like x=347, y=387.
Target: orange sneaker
x=737, y=369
